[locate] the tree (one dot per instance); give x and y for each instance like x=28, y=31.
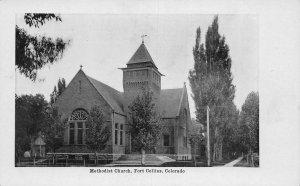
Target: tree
x=53, y=129
x=249, y=120
x=34, y=52
x=144, y=124
x=196, y=137
x=242, y=138
x=98, y=132
x=58, y=90
x=61, y=86
x=211, y=84
x=29, y=115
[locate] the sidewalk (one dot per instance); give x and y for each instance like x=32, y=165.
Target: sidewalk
x=231, y=164
x=135, y=160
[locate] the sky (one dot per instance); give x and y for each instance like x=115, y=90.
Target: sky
x=102, y=43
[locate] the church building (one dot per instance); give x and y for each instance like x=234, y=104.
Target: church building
x=83, y=92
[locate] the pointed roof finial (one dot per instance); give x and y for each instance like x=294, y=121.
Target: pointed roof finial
x=81, y=66
x=143, y=36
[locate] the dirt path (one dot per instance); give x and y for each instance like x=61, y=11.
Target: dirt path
x=231, y=164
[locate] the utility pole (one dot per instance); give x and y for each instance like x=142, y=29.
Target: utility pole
x=207, y=130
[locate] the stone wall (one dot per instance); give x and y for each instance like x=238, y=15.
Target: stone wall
x=80, y=93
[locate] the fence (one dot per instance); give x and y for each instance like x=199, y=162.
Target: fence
x=86, y=159
x=68, y=159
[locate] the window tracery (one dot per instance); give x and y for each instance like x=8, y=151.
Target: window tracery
x=79, y=114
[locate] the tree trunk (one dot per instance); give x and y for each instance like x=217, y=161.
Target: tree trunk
x=214, y=153
x=249, y=157
x=143, y=157
x=96, y=158
x=195, y=155
x=31, y=146
x=219, y=151
x=215, y=142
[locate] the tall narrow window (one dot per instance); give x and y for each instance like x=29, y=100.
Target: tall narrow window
x=116, y=133
x=121, y=134
x=72, y=133
x=186, y=127
x=166, y=140
x=79, y=86
x=184, y=141
x=79, y=133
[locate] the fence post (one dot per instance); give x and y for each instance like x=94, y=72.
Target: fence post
x=247, y=158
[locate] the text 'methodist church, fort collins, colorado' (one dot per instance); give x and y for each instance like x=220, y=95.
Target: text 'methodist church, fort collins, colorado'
x=83, y=92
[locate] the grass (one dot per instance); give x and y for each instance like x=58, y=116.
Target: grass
x=183, y=164
x=191, y=163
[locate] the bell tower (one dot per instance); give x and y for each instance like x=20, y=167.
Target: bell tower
x=140, y=73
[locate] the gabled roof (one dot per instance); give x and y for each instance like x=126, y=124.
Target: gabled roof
x=141, y=56
x=170, y=102
x=113, y=97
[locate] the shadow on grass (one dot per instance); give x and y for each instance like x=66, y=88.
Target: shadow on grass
x=192, y=164
x=183, y=164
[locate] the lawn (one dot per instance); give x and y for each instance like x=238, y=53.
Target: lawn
x=191, y=163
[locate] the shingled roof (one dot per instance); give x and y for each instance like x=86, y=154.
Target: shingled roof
x=113, y=97
x=141, y=55
x=169, y=102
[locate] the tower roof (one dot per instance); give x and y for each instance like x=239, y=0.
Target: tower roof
x=141, y=56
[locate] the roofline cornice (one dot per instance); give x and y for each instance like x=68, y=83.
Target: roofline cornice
x=141, y=68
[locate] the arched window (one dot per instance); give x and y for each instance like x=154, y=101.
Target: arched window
x=79, y=114
x=77, y=127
